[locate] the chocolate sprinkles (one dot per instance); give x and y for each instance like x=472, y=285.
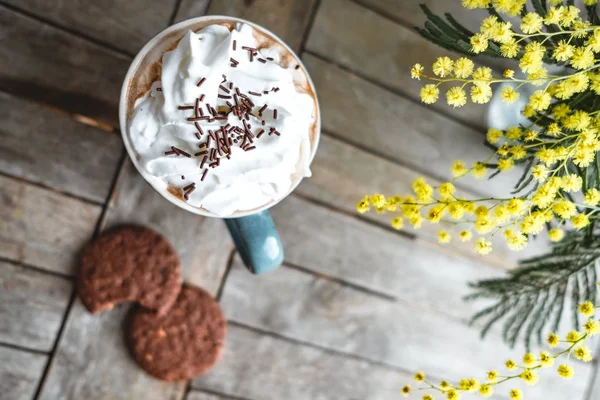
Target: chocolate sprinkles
x=201, y=82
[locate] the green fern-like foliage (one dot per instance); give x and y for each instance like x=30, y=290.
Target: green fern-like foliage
x=533, y=296
x=531, y=299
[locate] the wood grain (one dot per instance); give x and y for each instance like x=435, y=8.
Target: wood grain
x=127, y=25
x=260, y=366
x=368, y=256
x=288, y=19
x=345, y=33
x=43, y=228
x=20, y=373
x=191, y=9
x=92, y=360
x=52, y=66
x=316, y=310
x=416, y=136
x=46, y=147
x=343, y=174
x=196, y=395
x=32, y=306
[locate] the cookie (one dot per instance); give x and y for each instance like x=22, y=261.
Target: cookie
x=129, y=263
x=181, y=344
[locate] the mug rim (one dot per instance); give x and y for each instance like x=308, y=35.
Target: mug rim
x=123, y=122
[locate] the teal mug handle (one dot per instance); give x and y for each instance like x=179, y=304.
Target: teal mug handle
x=257, y=241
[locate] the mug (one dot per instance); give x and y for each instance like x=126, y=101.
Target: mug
x=253, y=232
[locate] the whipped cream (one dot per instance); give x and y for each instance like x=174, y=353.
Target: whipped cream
x=248, y=178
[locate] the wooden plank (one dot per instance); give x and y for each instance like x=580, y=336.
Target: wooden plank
x=196, y=395
x=365, y=255
x=46, y=147
x=380, y=49
x=32, y=306
x=191, y=9
x=98, y=365
x=339, y=181
x=20, y=372
x=92, y=362
x=43, y=228
x=287, y=19
x=316, y=310
x=594, y=387
x=127, y=25
x=255, y=365
x=52, y=66
x=411, y=134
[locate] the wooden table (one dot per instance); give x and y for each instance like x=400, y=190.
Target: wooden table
x=357, y=307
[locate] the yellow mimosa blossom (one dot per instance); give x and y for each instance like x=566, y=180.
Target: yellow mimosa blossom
x=397, y=223
x=416, y=71
x=458, y=167
x=573, y=336
x=556, y=234
x=429, y=94
x=510, y=48
x=465, y=235
x=406, y=390
x=540, y=100
x=531, y=23
x=552, y=340
x=446, y=189
x=483, y=246
x=463, y=67
x=592, y=197
x=444, y=385
x=529, y=360
x=515, y=394
x=508, y=73
x=539, y=172
x=443, y=66
x=427, y=397
x=563, y=51
x=509, y=95
x=494, y=135
x=456, y=97
x=586, y=308
x=479, y=170
x=444, y=237
x=481, y=93
x=492, y=375
x=546, y=360
x=580, y=221
x=362, y=206
x=452, y=395
x=592, y=327
x=482, y=74
x=565, y=371
x=582, y=353
x=564, y=209
x=419, y=376
x=486, y=390
x=435, y=214
x=571, y=183
x=530, y=377
x=479, y=43
x=505, y=164
x=582, y=58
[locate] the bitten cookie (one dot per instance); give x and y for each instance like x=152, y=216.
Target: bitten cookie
x=129, y=263
x=181, y=344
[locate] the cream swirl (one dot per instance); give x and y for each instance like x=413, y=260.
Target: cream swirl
x=246, y=179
